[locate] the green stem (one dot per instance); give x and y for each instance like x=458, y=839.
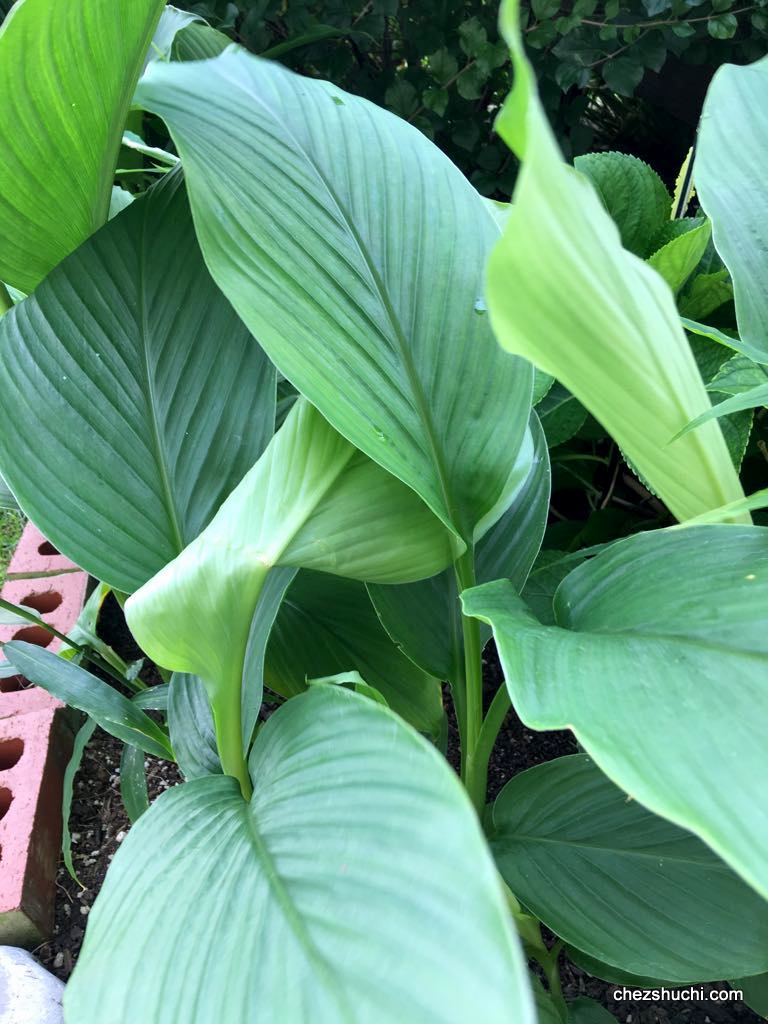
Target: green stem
x=473, y=680
x=227, y=718
x=489, y=732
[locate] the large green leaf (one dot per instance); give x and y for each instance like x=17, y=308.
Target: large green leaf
x=328, y=625
x=659, y=664
x=356, y=886
x=311, y=501
x=111, y=435
x=617, y=881
x=67, y=78
x=354, y=250
x=595, y=316
x=731, y=185
x=424, y=618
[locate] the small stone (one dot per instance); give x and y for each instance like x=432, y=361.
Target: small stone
x=120, y=837
x=85, y=910
x=30, y=995
x=58, y=960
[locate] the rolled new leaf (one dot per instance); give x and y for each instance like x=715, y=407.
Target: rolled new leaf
x=562, y=292
x=311, y=501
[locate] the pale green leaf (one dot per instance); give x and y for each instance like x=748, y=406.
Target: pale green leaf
x=659, y=664
x=292, y=908
x=111, y=435
x=738, y=374
x=190, y=726
x=732, y=188
x=311, y=501
x=67, y=81
x=678, y=259
x=354, y=250
x=595, y=316
x=611, y=878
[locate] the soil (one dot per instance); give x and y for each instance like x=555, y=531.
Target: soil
x=99, y=824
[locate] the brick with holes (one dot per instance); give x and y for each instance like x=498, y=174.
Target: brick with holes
x=35, y=745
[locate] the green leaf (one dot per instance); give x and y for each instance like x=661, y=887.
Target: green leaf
x=199, y=42
x=133, y=782
x=561, y=415
x=632, y=193
x=328, y=625
x=172, y=21
x=613, y=879
x=82, y=739
x=738, y=374
x=357, y=318
x=7, y=499
x=752, y=399
x=442, y=65
x=424, y=619
x=706, y=293
x=622, y=75
x=67, y=84
x=312, y=501
x=402, y=98
x=546, y=1011
x=755, y=991
x=681, y=611
x=613, y=337
x=111, y=435
x=732, y=189
x=587, y=1011
x=678, y=259
x=190, y=725
x=106, y=706
x=350, y=809
x=723, y=26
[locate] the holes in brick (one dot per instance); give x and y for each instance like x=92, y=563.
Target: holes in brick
x=11, y=684
x=45, y=602
x=10, y=752
x=34, y=635
x=46, y=548
x=6, y=798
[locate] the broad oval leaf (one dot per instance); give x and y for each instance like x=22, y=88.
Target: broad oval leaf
x=67, y=79
x=294, y=908
x=617, y=881
x=731, y=185
x=595, y=316
x=111, y=436
x=354, y=250
x=659, y=664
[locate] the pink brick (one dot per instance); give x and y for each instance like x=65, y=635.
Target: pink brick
x=35, y=745
x=34, y=750
x=59, y=599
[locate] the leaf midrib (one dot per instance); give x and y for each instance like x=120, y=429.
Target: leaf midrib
x=709, y=865
x=157, y=440
x=420, y=401
x=293, y=917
